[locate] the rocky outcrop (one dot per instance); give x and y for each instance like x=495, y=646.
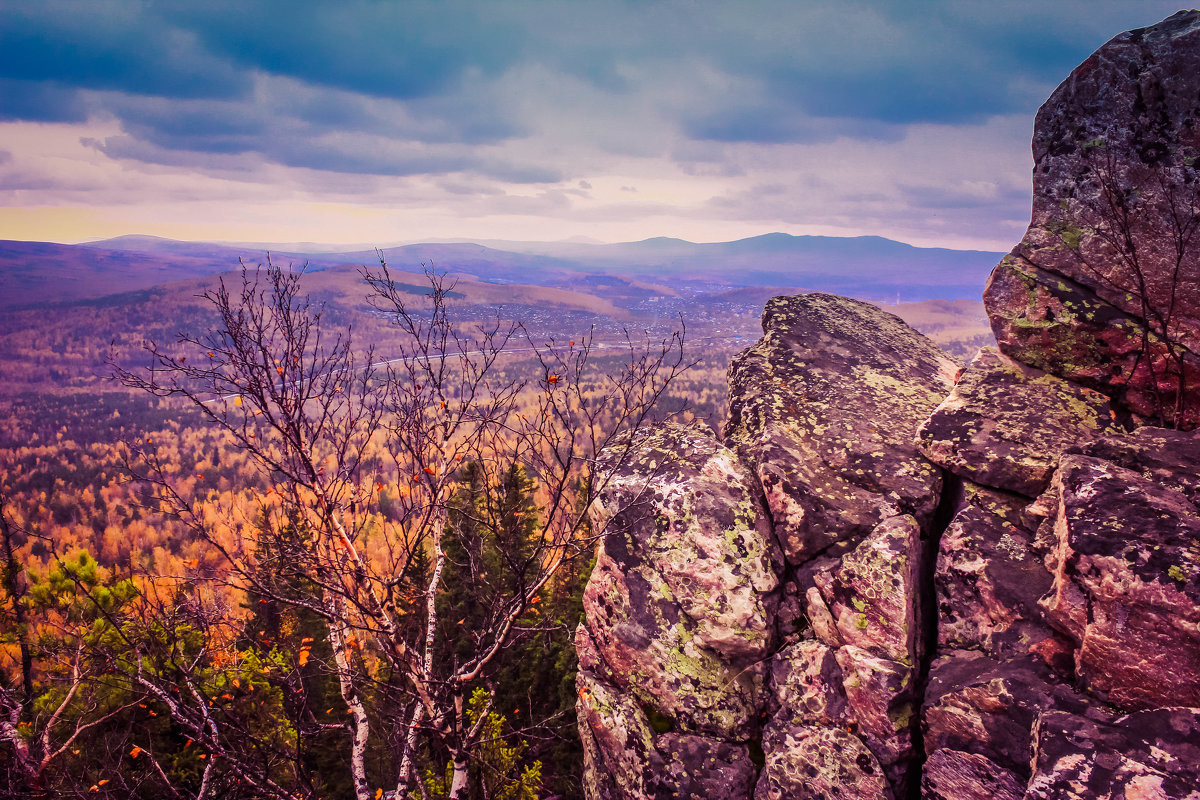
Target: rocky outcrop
x=1126, y=590
x=824, y=408
x=774, y=607
x=679, y=617
x=1005, y=424
x=898, y=577
x=1105, y=287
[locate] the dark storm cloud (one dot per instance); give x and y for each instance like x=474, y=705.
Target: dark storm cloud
x=279, y=79
x=119, y=46
x=399, y=50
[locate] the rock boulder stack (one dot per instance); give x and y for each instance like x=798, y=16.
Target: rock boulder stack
x=896, y=576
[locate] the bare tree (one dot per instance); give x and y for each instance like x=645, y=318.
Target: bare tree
x=1133, y=228
x=332, y=432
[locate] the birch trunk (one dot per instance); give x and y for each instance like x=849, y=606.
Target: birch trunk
x=459, y=790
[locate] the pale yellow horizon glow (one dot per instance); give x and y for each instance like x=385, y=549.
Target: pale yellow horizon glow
x=58, y=185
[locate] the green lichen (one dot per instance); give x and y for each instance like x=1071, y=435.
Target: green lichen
x=902, y=718
x=1068, y=233
x=1176, y=574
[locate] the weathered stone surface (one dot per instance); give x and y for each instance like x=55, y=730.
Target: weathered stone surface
x=881, y=705
x=618, y=745
x=810, y=763
x=680, y=602
x=690, y=767
x=1149, y=755
x=1127, y=583
x=807, y=685
x=953, y=775
x=989, y=581
x=1169, y=458
x=863, y=609
x=872, y=593
x=1005, y=424
x=1115, y=152
x=975, y=704
x=850, y=689
x=819, y=619
x=825, y=407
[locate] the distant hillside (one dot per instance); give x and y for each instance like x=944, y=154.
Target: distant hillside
x=33, y=273
x=959, y=326
x=867, y=267
x=862, y=266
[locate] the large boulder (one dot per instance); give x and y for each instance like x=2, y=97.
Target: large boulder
x=1105, y=287
x=1148, y=755
x=1126, y=565
x=1005, y=424
x=825, y=407
x=679, y=616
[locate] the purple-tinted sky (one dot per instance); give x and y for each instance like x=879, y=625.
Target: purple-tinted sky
x=374, y=122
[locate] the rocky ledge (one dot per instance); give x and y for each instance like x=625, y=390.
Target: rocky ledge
x=895, y=576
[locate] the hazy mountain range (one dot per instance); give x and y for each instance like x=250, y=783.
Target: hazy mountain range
x=868, y=267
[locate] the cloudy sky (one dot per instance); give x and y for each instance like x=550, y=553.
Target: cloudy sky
x=366, y=121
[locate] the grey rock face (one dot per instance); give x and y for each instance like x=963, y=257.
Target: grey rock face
x=679, y=620
x=825, y=407
x=1004, y=424
x=1116, y=162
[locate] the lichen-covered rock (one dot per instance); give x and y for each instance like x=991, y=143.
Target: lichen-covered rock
x=881, y=704
x=954, y=775
x=681, y=600
x=1005, y=424
x=690, y=767
x=812, y=763
x=989, y=581
x=1148, y=755
x=1116, y=159
x=860, y=674
x=679, y=619
x=872, y=594
x=1060, y=326
x=852, y=690
x=975, y=704
x=1169, y=458
x=825, y=407
x=1127, y=583
x=618, y=745
x=807, y=685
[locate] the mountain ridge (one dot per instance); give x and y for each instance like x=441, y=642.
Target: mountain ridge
x=868, y=267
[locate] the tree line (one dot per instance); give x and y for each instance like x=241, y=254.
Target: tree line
x=390, y=613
